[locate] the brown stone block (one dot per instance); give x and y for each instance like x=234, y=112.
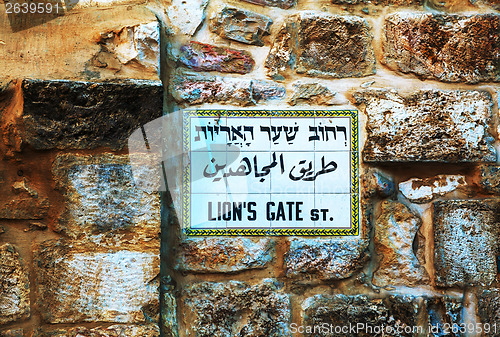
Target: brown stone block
x=14, y=287
x=322, y=45
x=150, y=330
x=449, y=48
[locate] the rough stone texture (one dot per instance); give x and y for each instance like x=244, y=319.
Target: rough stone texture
x=379, y=2
x=443, y=312
x=89, y=284
x=194, y=88
x=186, y=16
x=450, y=48
x=223, y=255
x=236, y=309
x=150, y=330
x=137, y=46
x=241, y=25
x=103, y=196
x=84, y=115
x=169, y=326
x=319, y=259
x=376, y=183
x=315, y=93
x=14, y=286
x=12, y=333
x=430, y=125
x=321, y=44
x=206, y=57
x=341, y=310
x=395, y=230
x=421, y=191
x=493, y=3
x=489, y=308
x=10, y=139
x=466, y=241
x=285, y=4
x=489, y=178
x=22, y=201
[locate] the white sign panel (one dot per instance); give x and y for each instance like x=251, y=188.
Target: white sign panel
x=270, y=173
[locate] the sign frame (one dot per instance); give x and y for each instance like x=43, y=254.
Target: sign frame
x=354, y=170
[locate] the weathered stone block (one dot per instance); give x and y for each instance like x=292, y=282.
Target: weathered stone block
x=150, y=330
x=83, y=115
x=376, y=317
x=430, y=125
x=321, y=44
x=489, y=178
x=421, y=191
x=466, y=242
x=14, y=286
x=241, y=25
x=443, y=312
x=205, y=57
x=379, y=2
x=186, y=16
x=12, y=333
x=86, y=283
x=395, y=230
x=285, y=4
x=22, y=201
x=489, y=309
x=102, y=196
x=375, y=183
x=223, y=255
x=315, y=93
x=450, y=48
x=236, y=309
x=320, y=259
x=194, y=88
x=137, y=46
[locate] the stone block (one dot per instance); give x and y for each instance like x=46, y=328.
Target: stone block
x=150, y=330
x=186, y=16
x=396, y=229
x=102, y=195
x=421, y=191
x=60, y=114
x=323, y=45
x=466, y=242
x=22, y=201
x=367, y=317
x=137, y=46
x=87, y=283
x=12, y=333
x=449, y=48
x=223, y=255
x=236, y=309
x=205, y=57
x=14, y=286
x=429, y=125
x=380, y=2
x=489, y=178
x=489, y=310
x=315, y=94
x=198, y=88
x=320, y=259
x=240, y=25
x=284, y=4
x=443, y=312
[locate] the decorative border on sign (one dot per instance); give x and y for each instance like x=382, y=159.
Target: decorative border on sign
x=186, y=172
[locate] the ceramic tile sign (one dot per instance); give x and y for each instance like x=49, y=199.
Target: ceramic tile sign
x=270, y=172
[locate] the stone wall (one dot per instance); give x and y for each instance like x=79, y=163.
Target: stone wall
x=81, y=237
